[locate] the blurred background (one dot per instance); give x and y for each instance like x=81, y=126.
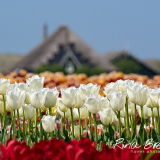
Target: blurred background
x=89, y=37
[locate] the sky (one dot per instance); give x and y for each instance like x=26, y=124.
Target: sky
x=104, y=25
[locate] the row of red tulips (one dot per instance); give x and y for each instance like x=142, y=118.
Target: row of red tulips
x=75, y=150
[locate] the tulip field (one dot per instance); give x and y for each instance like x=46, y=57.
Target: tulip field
x=75, y=117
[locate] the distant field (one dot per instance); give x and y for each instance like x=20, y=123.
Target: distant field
x=7, y=61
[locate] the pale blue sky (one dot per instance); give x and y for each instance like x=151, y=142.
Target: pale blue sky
x=104, y=25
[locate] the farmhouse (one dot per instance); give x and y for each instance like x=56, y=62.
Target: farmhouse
x=65, y=48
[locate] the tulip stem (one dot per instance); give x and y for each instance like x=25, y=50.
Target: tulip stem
x=36, y=124
x=149, y=123
x=23, y=123
x=40, y=124
x=113, y=127
x=146, y=126
x=156, y=124
x=62, y=126
x=19, y=129
x=107, y=128
x=64, y=121
x=32, y=126
x=51, y=133
x=95, y=127
x=86, y=125
x=13, y=123
x=125, y=126
x=135, y=126
x=152, y=118
x=90, y=124
x=79, y=122
x=72, y=122
x=50, y=111
x=131, y=125
x=82, y=128
x=158, y=121
x=141, y=123
x=119, y=124
x=1, y=121
x=64, y=118
x=127, y=117
x=29, y=128
x=4, y=116
x=68, y=129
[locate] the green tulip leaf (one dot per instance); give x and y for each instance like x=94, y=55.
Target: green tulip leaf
x=145, y=135
x=154, y=135
x=87, y=135
x=65, y=132
x=124, y=137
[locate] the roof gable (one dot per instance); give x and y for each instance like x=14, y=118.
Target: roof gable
x=50, y=46
x=115, y=55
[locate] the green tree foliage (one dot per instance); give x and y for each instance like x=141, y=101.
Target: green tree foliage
x=127, y=65
x=57, y=68
x=51, y=68
x=89, y=71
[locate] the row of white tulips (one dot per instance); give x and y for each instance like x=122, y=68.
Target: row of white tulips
x=121, y=101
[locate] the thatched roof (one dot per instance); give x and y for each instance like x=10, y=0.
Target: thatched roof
x=49, y=50
x=115, y=55
x=50, y=47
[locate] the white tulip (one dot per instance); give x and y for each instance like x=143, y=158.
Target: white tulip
x=76, y=132
x=138, y=94
x=107, y=116
x=83, y=112
x=69, y=97
x=153, y=99
x=75, y=114
x=111, y=87
x=86, y=90
x=117, y=100
x=93, y=103
x=79, y=101
x=8, y=108
x=146, y=111
x=37, y=98
x=20, y=113
x=155, y=112
x=1, y=97
x=61, y=106
x=29, y=111
x=67, y=114
x=116, y=119
x=123, y=113
x=15, y=98
x=51, y=98
x=48, y=123
x=27, y=100
x=131, y=109
x=44, y=108
x=104, y=102
x=123, y=85
x=21, y=86
x=1, y=107
x=4, y=85
x=35, y=82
